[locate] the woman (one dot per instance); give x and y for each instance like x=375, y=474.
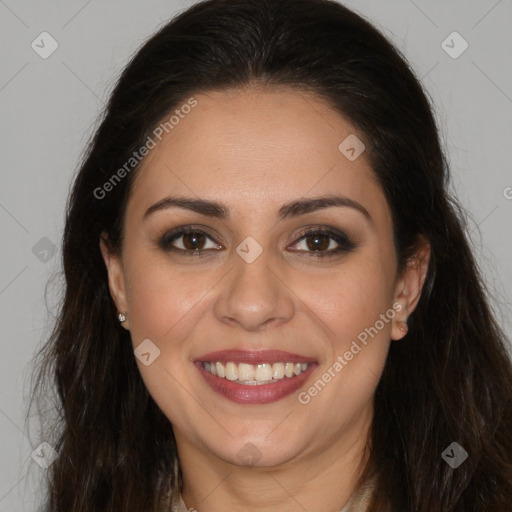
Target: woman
x=271, y=302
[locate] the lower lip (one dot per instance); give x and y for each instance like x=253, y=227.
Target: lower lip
x=256, y=394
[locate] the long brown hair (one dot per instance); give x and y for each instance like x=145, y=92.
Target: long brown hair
x=449, y=380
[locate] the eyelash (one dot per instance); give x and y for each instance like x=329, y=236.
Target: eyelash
x=344, y=244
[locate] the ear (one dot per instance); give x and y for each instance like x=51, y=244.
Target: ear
x=408, y=288
x=115, y=277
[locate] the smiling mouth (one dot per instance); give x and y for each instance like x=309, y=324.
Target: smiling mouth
x=254, y=375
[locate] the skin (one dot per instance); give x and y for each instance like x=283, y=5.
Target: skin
x=254, y=150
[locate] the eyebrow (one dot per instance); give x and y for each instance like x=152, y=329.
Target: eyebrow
x=287, y=210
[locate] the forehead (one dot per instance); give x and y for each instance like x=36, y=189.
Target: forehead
x=248, y=146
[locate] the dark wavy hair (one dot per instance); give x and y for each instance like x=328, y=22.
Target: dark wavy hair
x=449, y=379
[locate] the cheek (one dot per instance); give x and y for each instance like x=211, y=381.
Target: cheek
x=355, y=302
x=160, y=297
x=349, y=298
x=165, y=306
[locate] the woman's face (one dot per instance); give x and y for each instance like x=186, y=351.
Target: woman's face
x=266, y=280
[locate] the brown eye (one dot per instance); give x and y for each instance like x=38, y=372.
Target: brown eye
x=324, y=242
x=192, y=241
x=317, y=242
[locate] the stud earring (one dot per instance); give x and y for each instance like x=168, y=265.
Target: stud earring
x=404, y=327
x=122, y=317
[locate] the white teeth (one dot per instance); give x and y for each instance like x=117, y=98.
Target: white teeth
x=278, y=370
x=263, y=372
x=231, y=371
x=288, y=369
x=246, y=371
x=220, y=369
x=249, y=374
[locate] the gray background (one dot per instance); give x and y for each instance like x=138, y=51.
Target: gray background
x=49, y=109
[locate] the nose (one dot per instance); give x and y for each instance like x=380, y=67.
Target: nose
x=255, y=295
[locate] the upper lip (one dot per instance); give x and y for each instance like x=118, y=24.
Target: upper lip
x=254, y=357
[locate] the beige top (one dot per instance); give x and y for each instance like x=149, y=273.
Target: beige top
x=360, y=500
x=357, y=503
